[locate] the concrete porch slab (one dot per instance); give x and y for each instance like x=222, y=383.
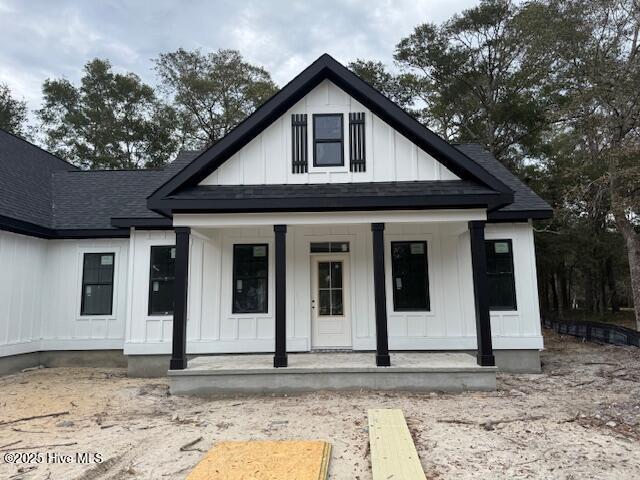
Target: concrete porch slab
x=423, y=372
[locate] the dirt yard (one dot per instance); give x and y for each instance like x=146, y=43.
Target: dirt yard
x=579, y=419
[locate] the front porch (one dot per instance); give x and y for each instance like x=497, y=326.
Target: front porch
x=410, y=371
x=451, y=251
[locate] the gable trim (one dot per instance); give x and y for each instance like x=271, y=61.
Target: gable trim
x=323, y=68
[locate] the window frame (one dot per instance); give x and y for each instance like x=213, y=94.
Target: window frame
x=503, y=308
x=83, y=284
x=151, y=313
x=235, y=277
x=429, y=307
x=316, y=140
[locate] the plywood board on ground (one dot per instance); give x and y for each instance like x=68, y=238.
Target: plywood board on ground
x=265, y=460
x=393, y=454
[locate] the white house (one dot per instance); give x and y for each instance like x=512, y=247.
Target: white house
x=329, y=219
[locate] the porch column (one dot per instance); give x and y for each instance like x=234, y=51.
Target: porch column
x=179, y=349
x=382, y=340
x=481, y=293
x=280, y=357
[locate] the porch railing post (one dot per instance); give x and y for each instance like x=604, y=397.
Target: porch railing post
x=382, y=337
x=179, y=346
x=280, y=357
x=481, y=293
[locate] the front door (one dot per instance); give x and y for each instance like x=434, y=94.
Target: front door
x=330, y=319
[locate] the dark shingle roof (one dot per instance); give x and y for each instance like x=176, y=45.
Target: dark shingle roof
x=25, y=180
x=41, y=189
x=88, y=199
x=525, y=199
x=336, y=190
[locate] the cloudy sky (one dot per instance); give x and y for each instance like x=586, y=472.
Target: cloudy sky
x=54, y=38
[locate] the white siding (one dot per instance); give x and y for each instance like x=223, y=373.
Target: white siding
x=522, y=325
x=40, y=285
x=63, y=327
x=450, y=324
x=23, y=260
x=267, y=158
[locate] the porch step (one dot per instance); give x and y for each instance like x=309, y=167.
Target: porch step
x=393, y=454
x=420, y=371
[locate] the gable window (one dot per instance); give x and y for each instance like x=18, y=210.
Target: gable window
x=97, y=284
x=161, y=280
x=250, y=278
x=410, y=275
x=502, y=287
x=328, y=140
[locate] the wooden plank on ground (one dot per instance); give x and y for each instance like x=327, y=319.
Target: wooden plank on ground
x=265, y=460
x=393, y=454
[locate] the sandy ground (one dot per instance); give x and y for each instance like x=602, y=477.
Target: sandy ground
x=579, y=419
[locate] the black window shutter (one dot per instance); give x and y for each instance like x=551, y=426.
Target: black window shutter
x=356, y=142
x=299, y=143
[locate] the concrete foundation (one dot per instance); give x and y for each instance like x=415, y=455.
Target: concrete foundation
x=253, y=374
x=147, y=366
x=507, y=361
x=518, y=361
x=63, y=358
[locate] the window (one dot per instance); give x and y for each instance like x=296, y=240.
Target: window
x=97, y=284
x=161, y=280
x=328, y=140
x=330, y=292
x=410, y=276
x=250, y=278
x=328, y=247
x=502, y=288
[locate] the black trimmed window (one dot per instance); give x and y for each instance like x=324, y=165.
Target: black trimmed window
x=328, y=140
x=250, y=278
x=97, y=284
x=162, y=278
x=410, y=275
x=502, y=286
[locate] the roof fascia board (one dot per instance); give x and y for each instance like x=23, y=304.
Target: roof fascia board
x=32, y=230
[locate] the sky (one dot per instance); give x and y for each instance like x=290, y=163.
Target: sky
x=43, y=39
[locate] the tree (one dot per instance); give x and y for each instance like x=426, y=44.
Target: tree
x=478, y=80
x=110, y=121
x=13, y=112
x=394, y=87
x=597, y=49
x=212, y=92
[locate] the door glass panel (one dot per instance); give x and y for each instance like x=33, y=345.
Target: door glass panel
x=324, y=299
x=336, y=302
x=324, y=276
x=330, y=301
x=336, y=274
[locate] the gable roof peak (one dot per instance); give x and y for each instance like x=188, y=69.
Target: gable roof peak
x=324, y=67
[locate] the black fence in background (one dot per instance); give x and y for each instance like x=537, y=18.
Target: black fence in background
x=594, y=331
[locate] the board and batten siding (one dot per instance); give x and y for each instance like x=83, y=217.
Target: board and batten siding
x=519, y=328
x=40, y=288
x=267, y=159
x=450, y=325
x=23, y=260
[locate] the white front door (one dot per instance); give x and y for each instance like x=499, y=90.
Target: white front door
x=330, y=313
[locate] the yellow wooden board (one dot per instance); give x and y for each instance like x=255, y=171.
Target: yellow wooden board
x=393, y=454
x=265, y=460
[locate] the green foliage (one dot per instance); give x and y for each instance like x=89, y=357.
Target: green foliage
x=13, y=112
x=109, y=121
x=479, y=81
x=212, y=92
x=394, y=87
